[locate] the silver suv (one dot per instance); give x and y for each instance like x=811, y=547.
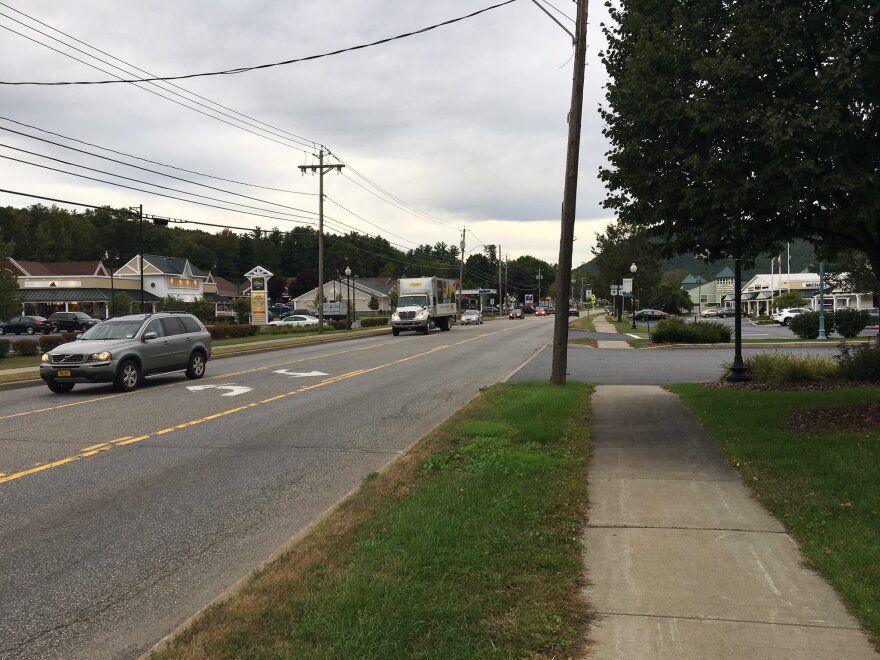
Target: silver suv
x=125, y=349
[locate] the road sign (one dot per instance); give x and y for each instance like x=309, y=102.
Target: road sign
x=615, y=290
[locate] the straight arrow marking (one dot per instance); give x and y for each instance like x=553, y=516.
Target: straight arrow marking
x=296, y=374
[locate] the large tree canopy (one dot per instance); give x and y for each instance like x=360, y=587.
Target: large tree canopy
x=737, y=125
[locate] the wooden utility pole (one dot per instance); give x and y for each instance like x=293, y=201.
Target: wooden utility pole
x=460, y=274
x=569, y=201
x=321, y=169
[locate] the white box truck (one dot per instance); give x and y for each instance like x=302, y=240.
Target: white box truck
x=424, y=303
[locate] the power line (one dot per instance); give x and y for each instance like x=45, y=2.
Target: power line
x=138, y=167
x=274, y=64
x=153, y=162
x=127, y=178
x=155, y=93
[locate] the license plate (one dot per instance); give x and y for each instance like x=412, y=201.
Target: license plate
x=63, y=373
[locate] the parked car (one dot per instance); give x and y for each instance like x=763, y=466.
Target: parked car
x=516, y=313
x=650, y=315
x=783, y=316
x=300, y=312
x=873, y=315
x=126, y=349
x=26, y=324
x=528, y=310
x=279, y=309
x=295, y=320
x=71, y=321
x=541, y=311
x=716, y=312
x=573, y=311
x=490, y=309
x=471, y=316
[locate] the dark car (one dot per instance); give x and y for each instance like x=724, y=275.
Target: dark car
x=650, y=315
x=528, y=310
x=71, y=321
x=490, y=309
x=516, y=313
x=26, y=324
x=125, y=349
x=279, y=309
x=573, y=311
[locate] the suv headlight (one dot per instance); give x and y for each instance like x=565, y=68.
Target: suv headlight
x=44, y=357
x=103, y=356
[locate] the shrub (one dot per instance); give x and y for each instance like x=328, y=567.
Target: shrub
x=374, y=321
x=850, y=322
x=48, y=342
x=227, y=331
x=779, y=368
x=860, y=362
x=25, y=347
x=4, y=347
x=337, y=325
x=806, y=325
x=675, y=331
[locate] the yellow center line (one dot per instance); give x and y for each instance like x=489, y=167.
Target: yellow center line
x=127, y=440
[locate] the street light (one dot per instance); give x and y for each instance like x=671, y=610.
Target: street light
x=348, y=305
x=633, y=269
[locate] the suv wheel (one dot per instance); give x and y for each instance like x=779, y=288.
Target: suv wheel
x=128, y=377
x=196, y=368
x=59, y=388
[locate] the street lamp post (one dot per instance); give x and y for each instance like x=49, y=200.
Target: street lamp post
x=633, y=269
x=348, y=305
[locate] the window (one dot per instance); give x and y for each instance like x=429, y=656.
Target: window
x=155, y=326
x=190, y=324
x=172, y=326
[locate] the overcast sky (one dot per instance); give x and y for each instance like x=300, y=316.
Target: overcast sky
x=463, y=126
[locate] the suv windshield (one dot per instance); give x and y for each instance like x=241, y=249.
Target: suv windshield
x=113, y=330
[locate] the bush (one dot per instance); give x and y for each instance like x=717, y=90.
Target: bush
x=228, y=331
x=4, y=347
x=48, y=342
x=25, y=347
x=675, y=331
x=850, y=322
x=374, y=321
x=779, y=368
x=337, y=325
x=860, y=362
x=806, y=325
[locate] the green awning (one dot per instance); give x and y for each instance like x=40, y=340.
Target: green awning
x=63, y=294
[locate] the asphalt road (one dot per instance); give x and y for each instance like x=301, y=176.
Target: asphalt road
x=123, y=514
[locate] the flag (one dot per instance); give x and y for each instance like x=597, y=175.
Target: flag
x=106, y=255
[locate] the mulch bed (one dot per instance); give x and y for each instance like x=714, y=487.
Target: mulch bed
x=858, y=417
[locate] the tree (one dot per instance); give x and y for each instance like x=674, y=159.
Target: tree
x=10, y=300
x=790, y=299
x=736, y=126
x=669, y=297
x=241, y=307
x=121, y=304
x=374, y=303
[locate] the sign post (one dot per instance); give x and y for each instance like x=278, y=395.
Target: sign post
x=259, y=279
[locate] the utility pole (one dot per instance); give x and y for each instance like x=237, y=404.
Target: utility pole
x=138, y=211
x=321, y=169
x=539, y=278
x=499, y=276
x=460, y=272
x=569, y=200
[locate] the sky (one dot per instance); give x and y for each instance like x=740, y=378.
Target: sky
x=464, y=126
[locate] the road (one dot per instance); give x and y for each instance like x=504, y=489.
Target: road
x=123, y=514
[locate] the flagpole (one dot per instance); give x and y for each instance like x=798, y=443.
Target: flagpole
x=788, y=247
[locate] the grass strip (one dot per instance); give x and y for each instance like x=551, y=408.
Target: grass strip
x=467, y=546
x=823, y=486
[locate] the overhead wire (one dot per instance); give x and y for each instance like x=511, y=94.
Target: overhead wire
x=246, y=69
x=154, y=92
x=153, y=162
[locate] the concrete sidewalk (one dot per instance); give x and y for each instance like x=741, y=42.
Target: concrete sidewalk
x=682, y=561
x=602, y=325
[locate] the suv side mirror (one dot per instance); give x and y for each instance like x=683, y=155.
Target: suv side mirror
x=149, y=335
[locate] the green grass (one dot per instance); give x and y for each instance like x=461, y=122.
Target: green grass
x=584, y=323
x=823, y=486
x=19, y=361
x=467, y=547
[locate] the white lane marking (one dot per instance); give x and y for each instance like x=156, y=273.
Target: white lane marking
x=299, y=374
x=234, y=390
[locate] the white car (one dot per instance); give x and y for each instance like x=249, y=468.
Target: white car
x=471, y=316
x=295, y=320
x=783, y=316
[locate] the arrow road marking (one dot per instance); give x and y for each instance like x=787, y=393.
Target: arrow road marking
x=299, y=374
x=234, y=390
